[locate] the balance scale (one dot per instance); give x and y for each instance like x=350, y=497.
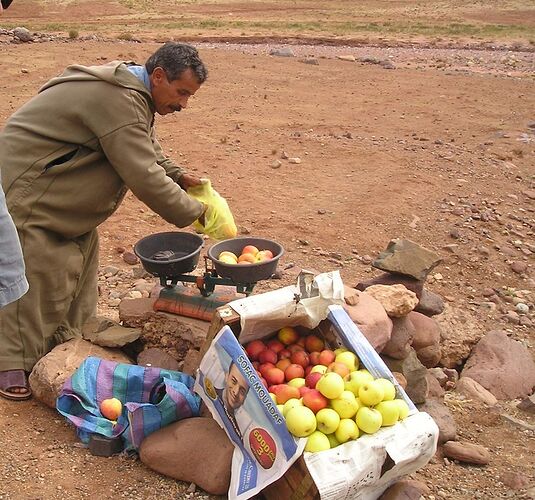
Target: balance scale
x=172, y=256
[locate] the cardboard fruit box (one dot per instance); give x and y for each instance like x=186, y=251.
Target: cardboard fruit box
x=363, y=468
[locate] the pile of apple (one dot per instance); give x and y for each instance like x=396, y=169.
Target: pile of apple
x=322, y=394
x=249, y=255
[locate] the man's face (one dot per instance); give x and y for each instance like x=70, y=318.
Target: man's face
x=171, y=96
x=236, y=388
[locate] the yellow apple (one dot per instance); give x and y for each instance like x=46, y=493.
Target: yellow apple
x=297, y=382
x=403, y=408
x=331, y=385
x=318, y=369
x=227, y=259
x=347, y=430
x=356, y=379
x=327, y=420
x=371, y=393
x=345, y=405
x=317, y=441
x=368, y=420
x=273, y=397
x=389, y=410
x=228, y=254
x=388, y=387
x=332, y=439
x=291, y=403
x=349, y=359
x=301, y=421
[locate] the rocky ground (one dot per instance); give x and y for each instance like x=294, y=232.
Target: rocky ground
x=426, y=143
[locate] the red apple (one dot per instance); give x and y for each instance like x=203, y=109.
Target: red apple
x=111, y=408
x=303, y=390
x=251, y=249
x=314, y=358
x=312, y=379
x=247, y=258
x=327, y=357
x=300, y=358
x=308, y=369
x=263, y=380
x=283, y=363
x=264, y=256
x=275, y=345
x=254, y=348
x=301, y=342
x=274, y=376
x=275, y=388
x=295, y=347
x=285, y=353
x=315, y=400
x=339, y=368
x=314, y=344
x=255, y=364
x=287, y=392
x=264, y=367
x=294, y=371
x=267, y=356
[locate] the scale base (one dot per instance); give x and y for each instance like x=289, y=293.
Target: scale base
x=188, y=300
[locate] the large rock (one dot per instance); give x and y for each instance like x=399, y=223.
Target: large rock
x=426, y=339
x=414, y=372
x=501, y=365
x=473, y=390
x=195, y=450
x=51, y=371
x=157, y=358
x=175, y=334
x=396, y=299
x=447, y=428
x=409, y=283
x=466, y=452
x=399, y=345
x=407, y=257
x=371, y=318
x=430, y=303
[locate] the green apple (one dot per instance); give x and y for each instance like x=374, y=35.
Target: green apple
x=345, y=405
x=301, y=421
x=388, y=387
x=389, y=410
x=331, y=385
x=340, y=350
x=318, y=368
x=403, y=408
x=347, y=430
x=317, y=441
x=273, y=397
x=327, y=420
x=371, y=393
x=296, y=382
x=356, y=379
x=349, y=359
x=332, y=439
x=291, y=403
x=281, y=409
x=369, y=420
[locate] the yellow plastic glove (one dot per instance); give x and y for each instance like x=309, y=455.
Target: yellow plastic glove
x=218, y=220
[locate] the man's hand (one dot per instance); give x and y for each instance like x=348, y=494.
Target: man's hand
x=187, y=180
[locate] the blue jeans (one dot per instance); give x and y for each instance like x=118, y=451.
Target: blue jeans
x=13, y=284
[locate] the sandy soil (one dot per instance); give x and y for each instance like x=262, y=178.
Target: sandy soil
x=438, y=149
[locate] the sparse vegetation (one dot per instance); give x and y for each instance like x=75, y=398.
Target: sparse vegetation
x=73, y=34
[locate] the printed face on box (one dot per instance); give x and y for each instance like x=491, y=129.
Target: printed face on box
x=236, y=388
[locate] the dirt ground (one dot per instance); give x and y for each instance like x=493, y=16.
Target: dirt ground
x=436, y=146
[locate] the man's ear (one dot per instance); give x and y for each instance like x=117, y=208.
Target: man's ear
x=159, y=75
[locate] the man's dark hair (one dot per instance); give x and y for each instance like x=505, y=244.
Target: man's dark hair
x=175, y=58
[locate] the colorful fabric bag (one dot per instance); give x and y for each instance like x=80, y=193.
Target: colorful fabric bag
x=152, y=398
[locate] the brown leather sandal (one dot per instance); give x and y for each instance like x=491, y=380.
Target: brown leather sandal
x=14, y=379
